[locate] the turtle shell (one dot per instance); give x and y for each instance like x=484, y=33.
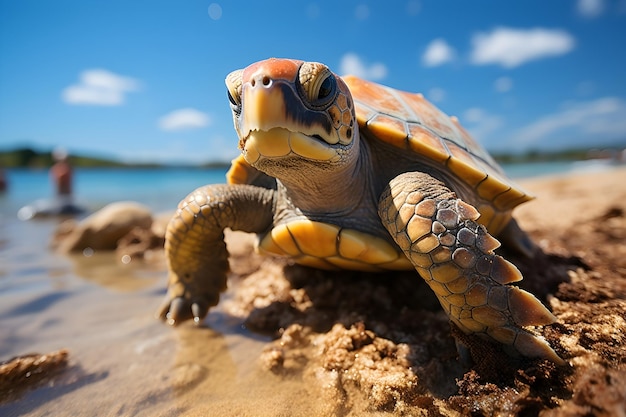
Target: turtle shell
x=409, y=121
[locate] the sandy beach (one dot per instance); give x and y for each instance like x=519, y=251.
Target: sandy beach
x=288, y=340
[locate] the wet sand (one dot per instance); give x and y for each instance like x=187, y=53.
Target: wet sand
x=287, y=340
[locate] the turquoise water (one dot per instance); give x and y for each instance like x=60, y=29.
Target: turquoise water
x=162, y=188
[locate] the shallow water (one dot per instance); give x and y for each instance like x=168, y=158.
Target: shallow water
x=123, y=361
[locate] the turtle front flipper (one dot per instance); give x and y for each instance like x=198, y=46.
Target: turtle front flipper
x=194, y=245
x=454, y=255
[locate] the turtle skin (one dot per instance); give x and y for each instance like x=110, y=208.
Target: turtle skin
x=340, y=173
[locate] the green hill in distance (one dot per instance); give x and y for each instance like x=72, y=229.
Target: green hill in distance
x=27, y=157
x=30, y=158
x=570, y=154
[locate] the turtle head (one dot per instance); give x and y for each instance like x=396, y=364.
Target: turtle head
x=288, y=112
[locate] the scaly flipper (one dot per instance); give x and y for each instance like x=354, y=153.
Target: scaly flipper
x=454, y=255
x=195, y=249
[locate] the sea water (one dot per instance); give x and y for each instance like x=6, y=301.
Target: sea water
x=162, y=188
x=159, y=188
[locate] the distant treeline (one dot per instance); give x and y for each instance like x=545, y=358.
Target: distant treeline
x=30, y=158
x=574, y=154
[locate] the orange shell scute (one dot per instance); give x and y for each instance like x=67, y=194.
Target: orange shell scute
x=408, y=121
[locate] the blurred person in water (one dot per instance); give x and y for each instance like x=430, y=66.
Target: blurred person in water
x=62, y=177
x=4, y=184
x=62, y=203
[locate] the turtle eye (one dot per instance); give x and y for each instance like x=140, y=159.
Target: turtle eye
x=233, y=86
x=232, y=99
x=327, y=88
x=318, y=85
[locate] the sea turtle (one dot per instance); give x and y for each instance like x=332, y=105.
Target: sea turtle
x=342, y=173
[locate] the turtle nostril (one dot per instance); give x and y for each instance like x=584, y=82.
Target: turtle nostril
x=265, y=80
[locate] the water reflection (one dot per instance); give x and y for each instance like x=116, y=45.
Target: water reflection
x=105, y=269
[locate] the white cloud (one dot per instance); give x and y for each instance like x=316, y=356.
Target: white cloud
x=438, y=52
x=513, y=47
x=481, y=124
x=362, y=12
x=215, y=11
x=585, y=88
x=413, y=7
x=601, y=119
x=590, y=8
x=313, y=11
x=352, y=64
x=473, y=115
x=503, y=84
x=183, y=119
x=99, y=87
x=436, y=94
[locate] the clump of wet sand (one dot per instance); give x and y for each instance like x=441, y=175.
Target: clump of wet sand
x=25, y=372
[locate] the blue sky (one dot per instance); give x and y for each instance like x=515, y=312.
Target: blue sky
x=142, y=80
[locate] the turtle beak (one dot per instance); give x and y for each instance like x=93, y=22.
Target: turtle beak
x=265, y=105
x=272, y=123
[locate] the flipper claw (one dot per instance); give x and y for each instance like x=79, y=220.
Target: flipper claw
x=198, y=311
x=178, y=311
